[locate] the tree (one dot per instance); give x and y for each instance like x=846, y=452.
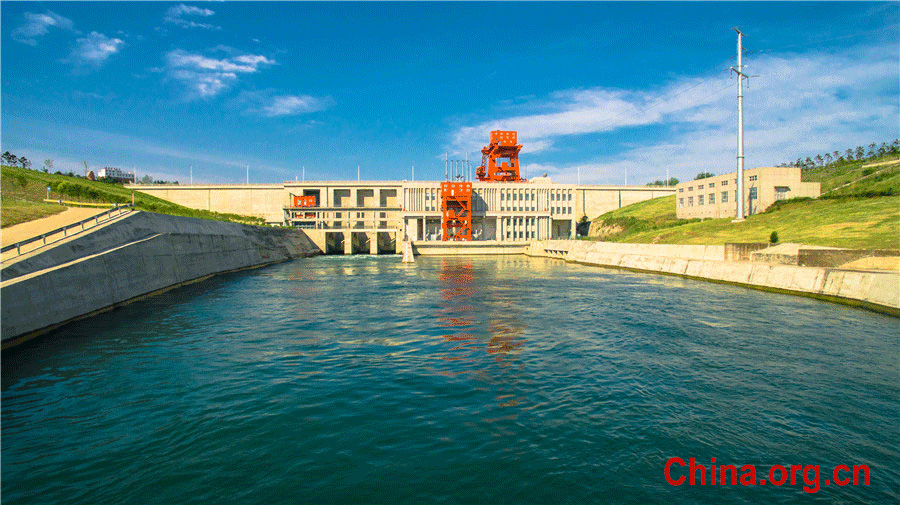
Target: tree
x=895, y=146
x=704, y=175
x=91, y=176
x=49, y=164
x=146, y=179
x=836, y=155
x=873, y=148
x=883, y=149
x=808, y=162
x=819, y=160
x=25, y=163
x=849, y=154
x=860, y=153
x=773, y=238
x=828, y=158
x=10, y=159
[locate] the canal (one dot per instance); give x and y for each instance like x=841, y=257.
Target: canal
x=456, y=380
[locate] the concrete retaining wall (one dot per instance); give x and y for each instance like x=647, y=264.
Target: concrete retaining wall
x=138, y=255
x=876, y=290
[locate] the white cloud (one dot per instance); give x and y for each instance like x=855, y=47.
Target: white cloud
x=270, y=104
x=206, y=77
x=95, y=49
x=177, y=13
x=37, y=25
x=800, y=105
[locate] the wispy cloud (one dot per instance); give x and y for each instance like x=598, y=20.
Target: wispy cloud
x=207, y=77
x=94, y=49
x=37, y=25
x=177, y=14
x=271, y=104
x=801, y=104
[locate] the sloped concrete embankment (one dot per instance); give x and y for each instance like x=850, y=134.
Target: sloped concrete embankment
x=878, y=291
x=139, y=255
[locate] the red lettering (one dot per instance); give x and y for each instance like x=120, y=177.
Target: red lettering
x=794, y=470
x=723, y=476
x=837, y=478
x=667, y=471
x=748, y=475
x=693, y=470
x=782, y=470
x=812, y=485
x=856, y=474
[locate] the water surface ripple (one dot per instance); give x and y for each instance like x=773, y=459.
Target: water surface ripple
x=454, y=380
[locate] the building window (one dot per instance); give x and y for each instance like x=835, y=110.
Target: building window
x=724, y=196
x=690, y=188
x=700, y=200
x=724, y=183
x=700, y=187
x=781, y=192
x=712, y=185
x=681, y=202
x=690, y=201
x=752, y=178
x=712, y=198
x=681, y=190
x=753, y=194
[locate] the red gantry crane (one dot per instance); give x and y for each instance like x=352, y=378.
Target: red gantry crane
x=456, y=197
x=503, y=146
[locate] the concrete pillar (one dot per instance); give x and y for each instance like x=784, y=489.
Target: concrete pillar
x=348, y=242
x=373, y=242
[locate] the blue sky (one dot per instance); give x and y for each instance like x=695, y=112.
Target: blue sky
x=601, y=88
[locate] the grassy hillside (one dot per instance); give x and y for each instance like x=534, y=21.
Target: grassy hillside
x=23, y=193
x=852, y=222
x=854, y=212
x=858, y=178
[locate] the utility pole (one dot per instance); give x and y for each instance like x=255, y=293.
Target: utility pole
x=192, y=174
x=303, y=169
x=447, y=166
x=357, y=172
x=413, y=173
x=667, y=177
x=740, y=127
x=248, y=174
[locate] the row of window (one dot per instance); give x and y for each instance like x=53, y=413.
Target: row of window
x=709, y=199
x=713, y=184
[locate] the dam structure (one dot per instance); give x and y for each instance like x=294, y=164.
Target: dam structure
x=500, y=209
x=373, y=217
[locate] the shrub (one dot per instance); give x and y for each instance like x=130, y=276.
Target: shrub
x=773, y=238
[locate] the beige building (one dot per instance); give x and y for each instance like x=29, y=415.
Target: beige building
x=716, y=197
x=375, y=216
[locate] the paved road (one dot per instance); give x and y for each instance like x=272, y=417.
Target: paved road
x=19, y=232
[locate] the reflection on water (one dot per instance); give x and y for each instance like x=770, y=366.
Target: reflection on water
x=460, y=380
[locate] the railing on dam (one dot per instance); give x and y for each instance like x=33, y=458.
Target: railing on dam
x=66, y=231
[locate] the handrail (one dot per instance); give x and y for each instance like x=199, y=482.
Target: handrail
x=108, y=214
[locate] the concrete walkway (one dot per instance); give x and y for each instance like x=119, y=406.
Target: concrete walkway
x=23, y=231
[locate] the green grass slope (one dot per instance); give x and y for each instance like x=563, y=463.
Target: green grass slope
x=856, y=223
x=21, y=189
x=860, y=208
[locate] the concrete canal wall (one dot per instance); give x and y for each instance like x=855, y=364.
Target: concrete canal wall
x=141, y=254
x=876, y=290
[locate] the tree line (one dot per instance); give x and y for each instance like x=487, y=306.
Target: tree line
x=859, y=153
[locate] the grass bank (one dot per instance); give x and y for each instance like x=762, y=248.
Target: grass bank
x=22, y=191
x=15, y=212
x=859, y=209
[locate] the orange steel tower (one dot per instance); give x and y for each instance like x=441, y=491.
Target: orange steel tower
x=503, y=146
x=456, y=211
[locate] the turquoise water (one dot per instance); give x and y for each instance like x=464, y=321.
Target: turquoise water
x=456, y=380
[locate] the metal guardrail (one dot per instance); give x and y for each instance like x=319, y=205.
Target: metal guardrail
x=119, y=210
